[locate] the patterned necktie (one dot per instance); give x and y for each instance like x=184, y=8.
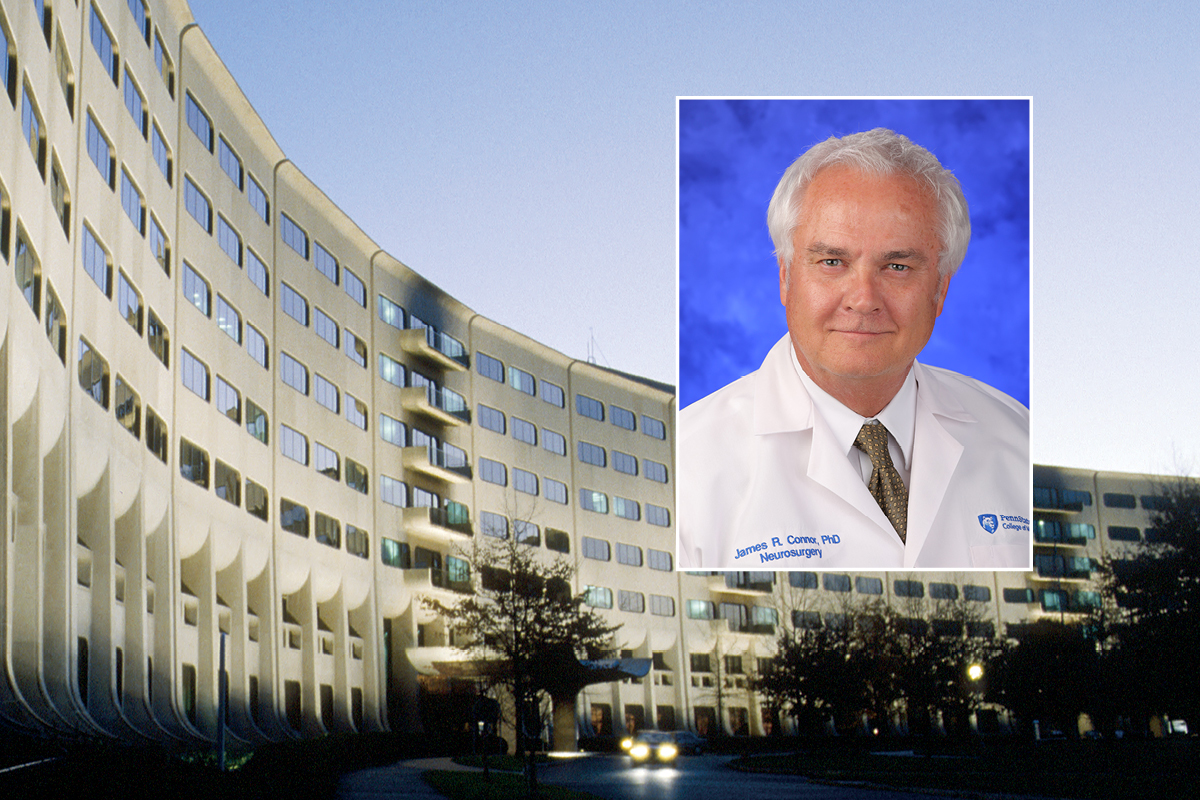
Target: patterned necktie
x=885, y=484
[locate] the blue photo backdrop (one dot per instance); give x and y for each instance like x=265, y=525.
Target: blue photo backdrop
x=732, y=154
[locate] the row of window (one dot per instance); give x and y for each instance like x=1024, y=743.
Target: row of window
x=201, y=125
x=633, y=602
x=595, y=455
x=592, y=500
x=1077, y=499
x=834, y=582
x=631, y=555
x=755, y=619
x=394, y=315
x=94, y=379
x=196, y=378
x=294, y=518
x=1054, y=599
x=494, y=420
x=27, y=271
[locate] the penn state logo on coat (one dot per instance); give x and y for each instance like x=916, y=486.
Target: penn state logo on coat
x=989, y=522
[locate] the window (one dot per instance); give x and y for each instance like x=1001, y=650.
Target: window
x=394, y=554
x=699, y=609
x=803, y=580
x=293, y=373
x=629, y=554
x=393, y=492
x=521, y=380
x=657, y=515
x=552, y=394
x=293, y=304
x=258, y=200
x=622, y=418
x=526, y=532
x=156, y=435
x=60, y=197
x=229, y=240
x=1022, y=595
x=227, y=483
x=489, y=367
x=909, y=588
x=293, y=444
x=34, y=131
x=325, y=263
x=1121, y=533
x=806, y=620
x=28, y=272
x=158, y=339
x=654, y=470
x=102, y=42
x=128, y=408
x=96, y=262
x=1154, y=502
x=493, y=471
x=356, y=412
x=199, y=122
x=662, y=606
x=257, y=272
x=593, y=501
x=193, y=463
x=228, y=400
x=163, y=61
x=293, y=235
x=653, y=427
x=626, y=508
x=56, y=324
x=357, y=541
x=100, y=152
x=623, y=462
x=230, y=163
x=589, y=407
x=293, y=517
x=135, y=104
x=392, y=430
x=559, y=541
x=196, y=289
x=598, y=597
x=977, y=594
x=131, y=201
x=161, y=153
x=660, y=560
x=355, y=288
x=835, y=583
x=524, y=481
x=634, y=602
x=554, y=491
x=355, y=349
x=62, y=62
x=595, y=548
x=325, y=327
x=494, y=525
x=256, y=345
x=524, y=431
x=592, y=454
x=160, y=248
x=326, y=393
x=257, y=502
x=942, y=591
x=735, y=613
x=391, y=370
x=554, y=442
x=326, y=461
x=229, y=320
x=391, y=313
x=356, y=476
x=1062, y=499
x=257, y=423
x=194, y=374
x=197, y=204
x=491, y=418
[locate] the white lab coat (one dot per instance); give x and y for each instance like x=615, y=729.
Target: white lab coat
x=762, y=485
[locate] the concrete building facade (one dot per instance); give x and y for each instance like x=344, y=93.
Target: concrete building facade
x=227, y=412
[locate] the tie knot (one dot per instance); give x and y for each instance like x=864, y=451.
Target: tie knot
x=872, y=439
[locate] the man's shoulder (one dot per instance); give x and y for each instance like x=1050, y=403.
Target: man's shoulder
x=977, y=397
x=728, y=409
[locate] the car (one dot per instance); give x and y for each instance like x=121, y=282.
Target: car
x=652, y=746
x=688, y=742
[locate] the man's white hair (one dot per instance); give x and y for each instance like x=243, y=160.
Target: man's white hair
x=878, y=152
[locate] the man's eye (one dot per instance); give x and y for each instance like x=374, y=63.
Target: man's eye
x=898, y=267
x=831, y=262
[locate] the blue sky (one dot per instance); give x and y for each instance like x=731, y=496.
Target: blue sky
x=523, y=158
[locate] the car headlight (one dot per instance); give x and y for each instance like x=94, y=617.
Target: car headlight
x=639, y=751
x=668, y=751
x=626, y=743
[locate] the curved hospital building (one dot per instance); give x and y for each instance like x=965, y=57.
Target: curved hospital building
x=227, y=412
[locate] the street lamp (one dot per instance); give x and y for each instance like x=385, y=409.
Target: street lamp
x=975, y=672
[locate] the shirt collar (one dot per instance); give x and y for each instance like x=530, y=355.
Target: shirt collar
x=898, y=416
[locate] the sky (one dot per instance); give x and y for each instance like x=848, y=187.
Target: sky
x=523, y=157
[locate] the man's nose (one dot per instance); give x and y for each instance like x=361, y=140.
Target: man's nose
x=862, y=291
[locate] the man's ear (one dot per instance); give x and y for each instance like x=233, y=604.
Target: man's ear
x=784, y=279
x=943, y=288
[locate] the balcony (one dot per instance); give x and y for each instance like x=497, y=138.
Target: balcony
x=438, y=521
x=435, y=347
x=427, y=579
x=436, y=403
x=432, y=461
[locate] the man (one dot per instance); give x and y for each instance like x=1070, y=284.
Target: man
x=842, y=451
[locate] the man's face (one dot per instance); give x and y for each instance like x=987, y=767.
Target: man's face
x=864, y=288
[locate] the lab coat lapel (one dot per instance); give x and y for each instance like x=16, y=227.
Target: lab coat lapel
x=830, y=467
x=936, y=454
